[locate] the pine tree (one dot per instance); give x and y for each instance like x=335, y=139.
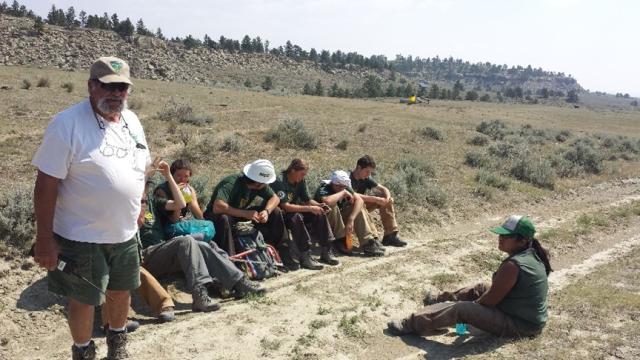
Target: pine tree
x=319, y=91
x=267, y=84
x=391, y=91
x=82, y=16
x=307, y=90
x=70, y=18
x=3, y=7
x=141, y=29
x=115, y=22
x=434, y=91
x=245, y=45
x=38, y=25
x=125, y=28
x=313, y=55
x=159, y=34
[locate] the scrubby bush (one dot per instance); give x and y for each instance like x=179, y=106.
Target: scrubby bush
x=495, y=129
x=476, y=159
x=484, y=191
x=563, y=135
x=197, y=150
x=291, y=133
x=503, y=149
x=43, y=82
x=534, y=170
x=183, y=113
x=342, y=145
x=492, y=179
x=431, y=133
x=17, y=220
x=231, y=144
x=26, y=84
x=479, y=140
x=583, y=154
x=410, y=182
x=68, y=87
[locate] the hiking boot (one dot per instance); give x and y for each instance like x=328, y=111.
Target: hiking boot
x=84, y=353
x=399, y=327
x=341, y=247
x=131, y=326
x=327, y=257
x=372, y=249
x=393, y=240
x=202, y=301
x=245, y=287
x=167, y=314
x=117, y=345
x=307, y=262
x=378, y=244
x=287, y=260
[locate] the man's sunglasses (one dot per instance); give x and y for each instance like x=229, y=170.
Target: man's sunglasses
x=111, y=87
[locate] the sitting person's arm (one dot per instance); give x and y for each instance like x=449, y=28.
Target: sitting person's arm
x=312, y=207
x=503, y=281
x=222, y=207
x=335, y=198
x=193, y=205
x=378, y=200
x=178, y=202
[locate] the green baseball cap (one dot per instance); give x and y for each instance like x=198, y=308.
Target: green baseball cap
x=516, y=224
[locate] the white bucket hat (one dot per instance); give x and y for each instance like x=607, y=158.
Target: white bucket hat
x=261, y=171
x=339, y=177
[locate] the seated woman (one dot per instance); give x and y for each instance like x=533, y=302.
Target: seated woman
x=514, y=305
x=172, y=214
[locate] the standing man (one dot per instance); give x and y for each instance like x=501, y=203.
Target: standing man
x=300, y=211
x=247, y=196
x=379, y=199
x=91, y=176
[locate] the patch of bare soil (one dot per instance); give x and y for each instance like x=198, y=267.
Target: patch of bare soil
x=339, y=312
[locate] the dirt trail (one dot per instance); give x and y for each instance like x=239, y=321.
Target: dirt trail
x=339, y=312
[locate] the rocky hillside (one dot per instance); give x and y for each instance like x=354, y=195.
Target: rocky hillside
x=152, y=58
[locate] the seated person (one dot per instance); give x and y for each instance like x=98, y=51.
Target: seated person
x=199, y=261
x=247, y=196
x=171, y=217
x=301, y=211
x=514, y=305
x=379, y=199
x=347, y=214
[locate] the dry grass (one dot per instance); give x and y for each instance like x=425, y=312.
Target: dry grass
x=383, y=129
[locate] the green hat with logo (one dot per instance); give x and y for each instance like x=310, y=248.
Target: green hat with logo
x=516, y=225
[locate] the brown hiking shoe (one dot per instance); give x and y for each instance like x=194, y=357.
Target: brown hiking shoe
x=117, y=345
x=84, y=353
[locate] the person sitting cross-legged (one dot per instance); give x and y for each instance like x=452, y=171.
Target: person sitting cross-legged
x=301, y=211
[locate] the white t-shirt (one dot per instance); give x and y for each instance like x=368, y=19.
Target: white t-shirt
x=101, y=168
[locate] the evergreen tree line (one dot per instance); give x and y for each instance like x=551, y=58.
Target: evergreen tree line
x=16, y=10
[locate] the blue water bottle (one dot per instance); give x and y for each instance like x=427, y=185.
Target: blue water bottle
x=461, y=329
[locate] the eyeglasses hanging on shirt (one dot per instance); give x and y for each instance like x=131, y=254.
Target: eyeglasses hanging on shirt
x=108, y=149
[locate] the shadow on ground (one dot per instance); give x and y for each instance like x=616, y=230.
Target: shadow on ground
x=462, y=346
x=36, y=297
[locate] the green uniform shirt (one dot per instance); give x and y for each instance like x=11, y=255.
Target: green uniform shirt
x=150, y=233
x=297, y=194
x=361, y=186
x=326, y=189
x=526, y=303
x=234, y=191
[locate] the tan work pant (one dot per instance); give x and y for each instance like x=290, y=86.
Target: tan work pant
x=151, y=291
x=387, y=216
x=363, y=226
x=462, y=309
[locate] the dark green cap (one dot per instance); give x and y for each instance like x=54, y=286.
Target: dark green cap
x=516, y=224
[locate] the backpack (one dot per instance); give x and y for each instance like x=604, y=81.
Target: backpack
x=253, y=256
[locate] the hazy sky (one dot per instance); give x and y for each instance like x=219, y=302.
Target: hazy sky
x=594, y=41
